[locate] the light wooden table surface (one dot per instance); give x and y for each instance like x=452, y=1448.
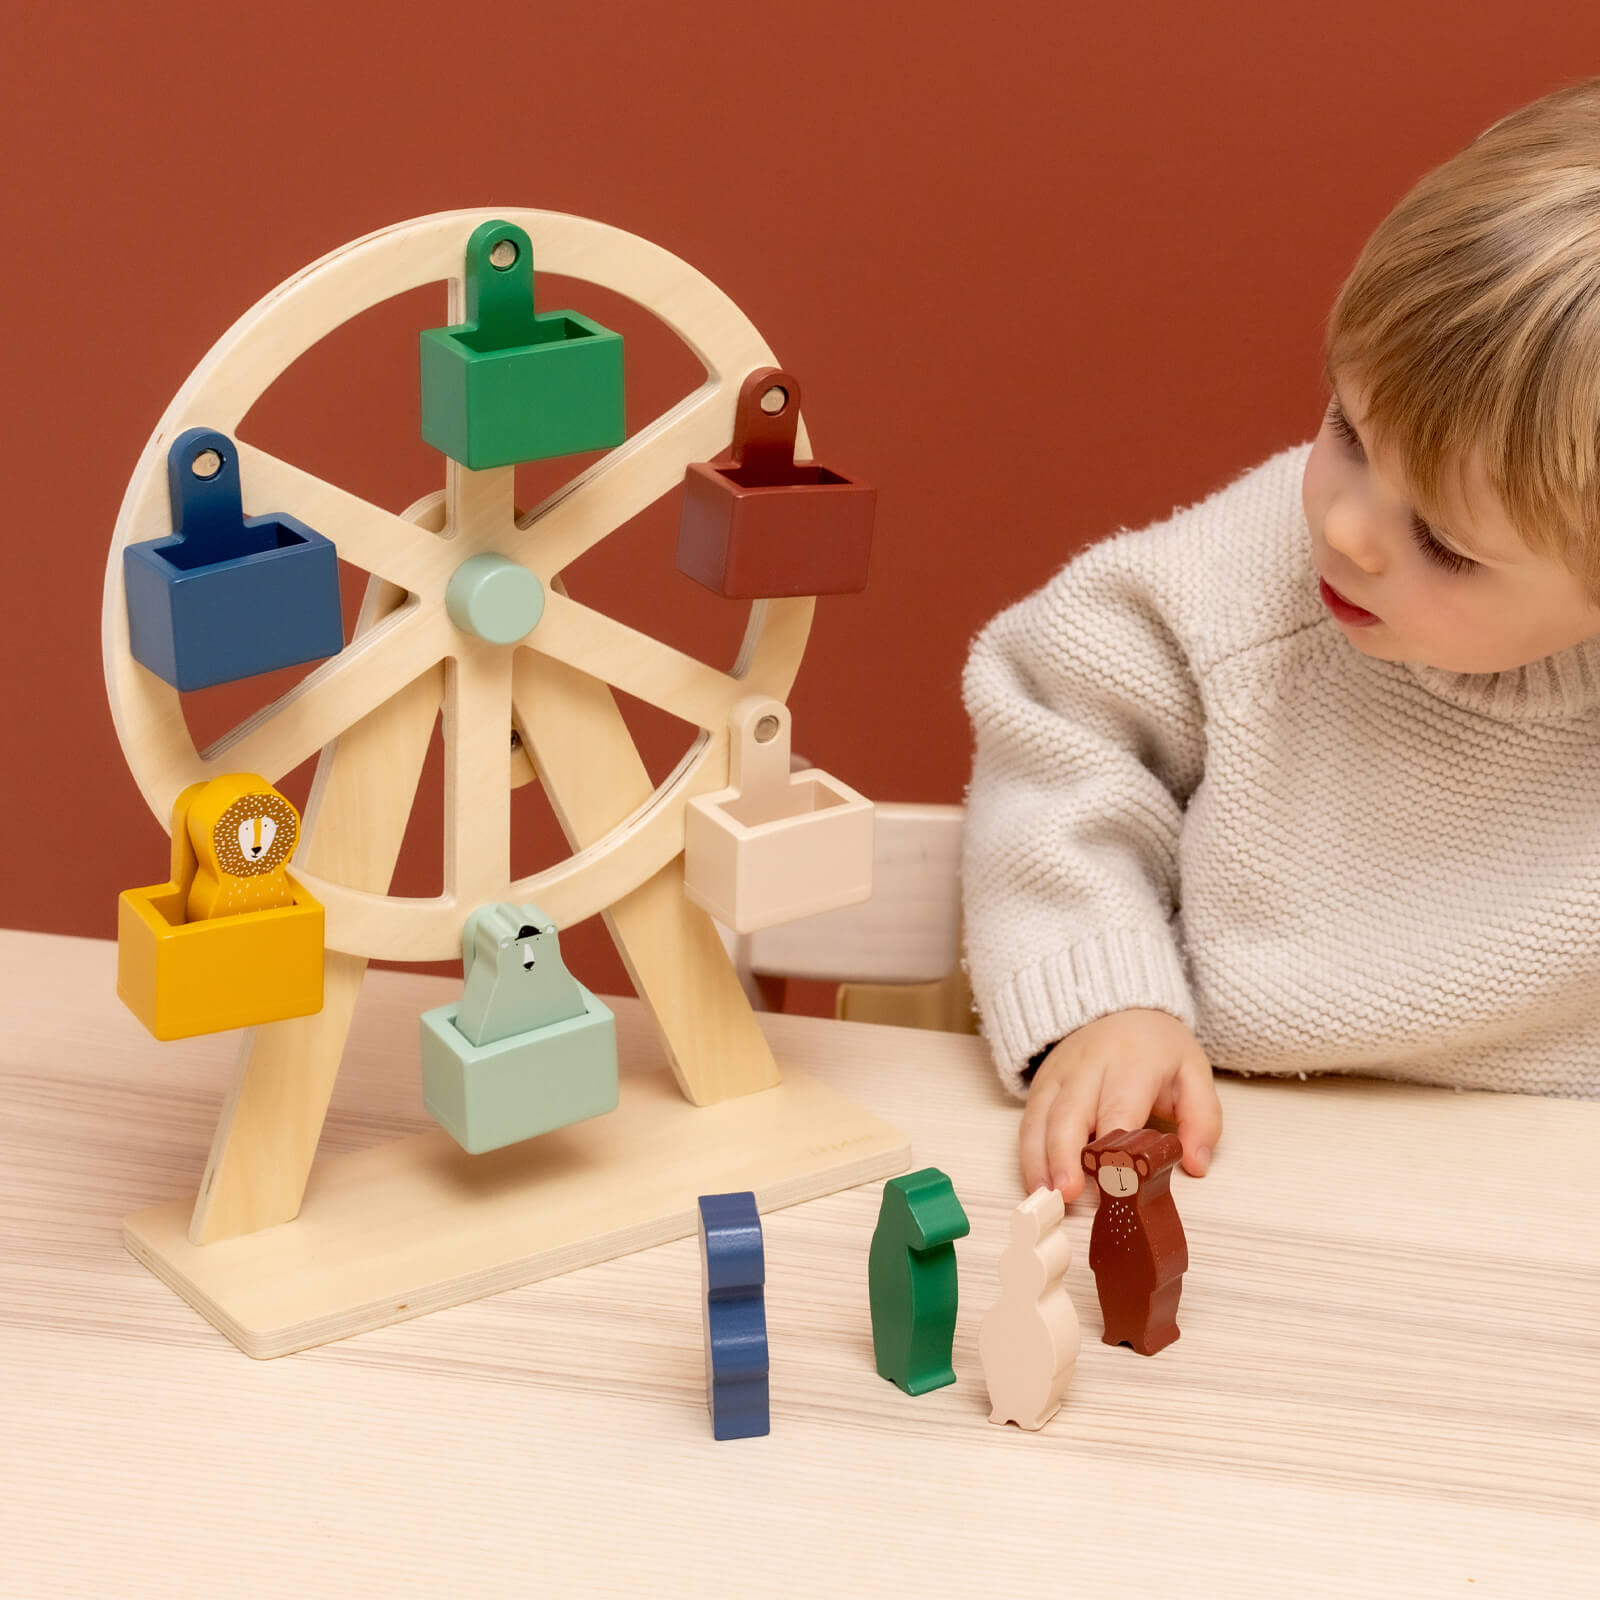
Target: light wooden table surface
x=1387, y=1384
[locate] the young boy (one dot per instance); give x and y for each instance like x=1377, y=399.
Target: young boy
x=1306, y=778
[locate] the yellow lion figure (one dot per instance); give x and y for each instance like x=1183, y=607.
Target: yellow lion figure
x=243, y=832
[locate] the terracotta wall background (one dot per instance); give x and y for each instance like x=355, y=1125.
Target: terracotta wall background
x=1045, y=270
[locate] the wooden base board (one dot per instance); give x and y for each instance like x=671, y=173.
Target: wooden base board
x=407, y=1228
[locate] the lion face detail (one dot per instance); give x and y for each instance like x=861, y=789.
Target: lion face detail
x=255, y=835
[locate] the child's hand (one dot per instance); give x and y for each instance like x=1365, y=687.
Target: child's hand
x=1113, y=1073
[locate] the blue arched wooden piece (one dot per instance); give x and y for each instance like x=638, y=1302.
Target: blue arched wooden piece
x=733, y=1279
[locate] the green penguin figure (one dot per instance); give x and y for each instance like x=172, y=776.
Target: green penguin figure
x=911, y=1280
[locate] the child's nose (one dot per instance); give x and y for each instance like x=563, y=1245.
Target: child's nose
x=1348, y=529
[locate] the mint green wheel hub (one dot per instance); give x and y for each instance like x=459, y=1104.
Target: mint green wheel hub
x=494, y=599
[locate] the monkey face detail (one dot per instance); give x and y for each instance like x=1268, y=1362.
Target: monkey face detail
x=1117, y=1178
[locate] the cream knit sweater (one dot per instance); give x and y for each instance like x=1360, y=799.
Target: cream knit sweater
x=1191, y=793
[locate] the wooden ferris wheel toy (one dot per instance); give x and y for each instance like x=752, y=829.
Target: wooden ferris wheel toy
x=224, y=565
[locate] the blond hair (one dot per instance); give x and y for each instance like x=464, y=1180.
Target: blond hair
x=1472, y=320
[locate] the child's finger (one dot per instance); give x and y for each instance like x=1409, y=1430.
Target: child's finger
x=1199, y=1114
x=1123, y=1105
x=1071, y=1114
x=1031, y=1136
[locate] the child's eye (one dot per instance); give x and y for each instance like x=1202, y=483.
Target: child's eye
x=1440, y=555
x=1347, y=435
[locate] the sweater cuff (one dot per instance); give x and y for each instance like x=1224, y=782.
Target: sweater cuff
x=1045, y=1002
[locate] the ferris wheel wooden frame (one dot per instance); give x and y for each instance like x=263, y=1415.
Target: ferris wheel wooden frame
x=368, y=715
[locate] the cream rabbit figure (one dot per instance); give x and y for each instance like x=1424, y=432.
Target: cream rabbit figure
x=1029, y=1339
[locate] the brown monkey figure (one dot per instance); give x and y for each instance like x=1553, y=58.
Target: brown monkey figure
x=1137, y=1249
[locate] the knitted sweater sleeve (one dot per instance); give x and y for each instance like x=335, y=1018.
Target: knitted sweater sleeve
x=1089, y=738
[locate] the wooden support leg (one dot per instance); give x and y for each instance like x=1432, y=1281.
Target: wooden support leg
x=355, y=822
x=591, y=771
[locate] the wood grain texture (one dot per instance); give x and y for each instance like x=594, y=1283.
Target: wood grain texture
x=1388, y=1381
x=416, y=1225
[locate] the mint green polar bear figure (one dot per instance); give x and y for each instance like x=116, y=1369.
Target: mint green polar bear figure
x=516, y=979
x=528, y=1049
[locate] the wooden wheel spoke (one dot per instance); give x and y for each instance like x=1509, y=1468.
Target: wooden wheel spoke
x=369, y=671
x=635, y=662
x=477, y=793
x=635, y=475
x=479, y=506
x=365, y=535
